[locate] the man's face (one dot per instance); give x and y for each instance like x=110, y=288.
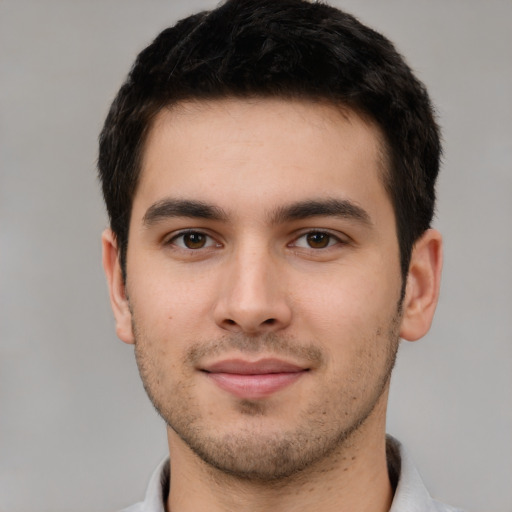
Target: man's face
x=263, y=281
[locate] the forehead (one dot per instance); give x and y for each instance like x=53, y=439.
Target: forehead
x=260, y=148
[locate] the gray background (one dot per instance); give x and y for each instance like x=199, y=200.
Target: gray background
x=76, y=430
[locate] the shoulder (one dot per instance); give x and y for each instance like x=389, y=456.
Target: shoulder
x=138, y=507
x=156, y=492
x=441, y=507
x=410, y=492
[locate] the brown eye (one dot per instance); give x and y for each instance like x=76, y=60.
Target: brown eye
x=194, y=240
x=318, y=240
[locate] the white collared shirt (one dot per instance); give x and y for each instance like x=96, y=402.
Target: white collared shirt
x=410, y=494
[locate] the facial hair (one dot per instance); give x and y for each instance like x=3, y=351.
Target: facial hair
x=251, y=450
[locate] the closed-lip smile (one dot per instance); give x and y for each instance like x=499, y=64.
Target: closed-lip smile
x=252, y=380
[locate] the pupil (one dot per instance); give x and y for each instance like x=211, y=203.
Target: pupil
x=318, y=240
x=194, y=240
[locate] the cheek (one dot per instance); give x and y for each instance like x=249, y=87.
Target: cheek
x=354, y=294
x=350, y=308
x=168, y=302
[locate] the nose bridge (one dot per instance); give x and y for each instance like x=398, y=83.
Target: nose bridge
x=252, y=298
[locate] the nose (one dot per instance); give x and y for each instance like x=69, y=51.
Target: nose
x=252, y=298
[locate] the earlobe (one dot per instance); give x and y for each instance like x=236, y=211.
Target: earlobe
x=116, y=285
x=423, y=283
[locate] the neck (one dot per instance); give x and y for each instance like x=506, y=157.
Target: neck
x=354, y=478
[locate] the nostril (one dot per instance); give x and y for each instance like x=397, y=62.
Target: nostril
x=251, y=323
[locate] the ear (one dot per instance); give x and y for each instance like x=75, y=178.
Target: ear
x=422, y=289
x=117, y=289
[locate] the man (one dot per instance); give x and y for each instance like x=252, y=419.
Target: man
x=269, y=170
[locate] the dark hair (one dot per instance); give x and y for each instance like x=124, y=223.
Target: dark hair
x=288, y=49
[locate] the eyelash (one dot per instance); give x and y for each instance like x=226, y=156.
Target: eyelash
x=209, y=241
x=332, y=240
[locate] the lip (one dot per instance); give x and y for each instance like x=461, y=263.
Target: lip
x=252, y=380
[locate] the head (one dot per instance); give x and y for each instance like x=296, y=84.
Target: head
x=291, y=49
x=269, y=169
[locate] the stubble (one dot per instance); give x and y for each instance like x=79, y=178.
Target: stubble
x=254, y=452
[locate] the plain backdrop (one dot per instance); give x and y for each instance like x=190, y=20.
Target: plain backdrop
x=77, y=433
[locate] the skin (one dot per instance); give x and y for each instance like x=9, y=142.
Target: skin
x=269, y=269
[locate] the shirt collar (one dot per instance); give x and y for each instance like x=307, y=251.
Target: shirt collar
x=158, y=489
x=410, y=494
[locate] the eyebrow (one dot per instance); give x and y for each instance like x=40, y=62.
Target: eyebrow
x=342, y=208
x=169, y=208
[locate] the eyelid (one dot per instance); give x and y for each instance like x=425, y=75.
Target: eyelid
x=338, y=238
x=212, y=241
x=171, y=239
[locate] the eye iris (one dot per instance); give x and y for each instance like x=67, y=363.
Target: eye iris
x=318, y=240
x=194, y=240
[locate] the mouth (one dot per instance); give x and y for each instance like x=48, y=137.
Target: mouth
x=252, y=380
